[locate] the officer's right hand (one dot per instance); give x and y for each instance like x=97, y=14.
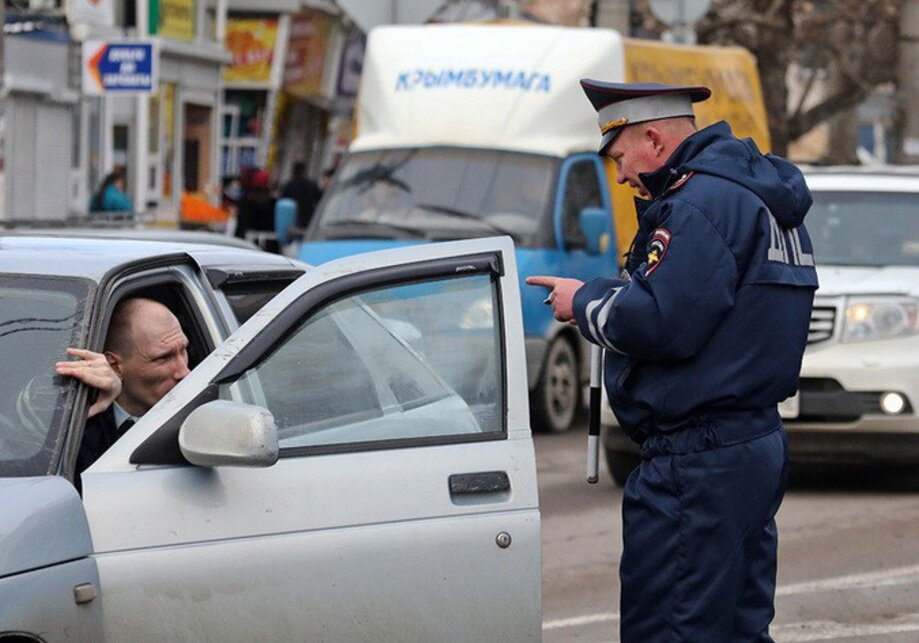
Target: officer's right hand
x=561, y=294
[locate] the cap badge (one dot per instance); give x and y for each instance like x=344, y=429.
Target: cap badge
x=611, y=125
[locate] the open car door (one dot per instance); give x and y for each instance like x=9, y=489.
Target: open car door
x=402, y=504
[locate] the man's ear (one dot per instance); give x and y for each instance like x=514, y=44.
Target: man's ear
x=655, y=137
x=114, y=360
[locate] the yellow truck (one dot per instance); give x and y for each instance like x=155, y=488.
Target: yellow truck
x=482, y=129
x=737, y=98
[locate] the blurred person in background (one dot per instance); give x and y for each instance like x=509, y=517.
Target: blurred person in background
x=255, y=212
x=304, y=191
x=111, y=196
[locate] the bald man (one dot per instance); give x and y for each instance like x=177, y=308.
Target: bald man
x=146, y=355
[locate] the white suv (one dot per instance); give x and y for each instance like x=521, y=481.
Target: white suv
x=859, y=386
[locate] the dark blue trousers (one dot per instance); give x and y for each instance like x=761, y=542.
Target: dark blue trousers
x=699, y=557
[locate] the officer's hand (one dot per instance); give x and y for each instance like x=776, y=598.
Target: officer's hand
x=561, y=294
x=93, y=370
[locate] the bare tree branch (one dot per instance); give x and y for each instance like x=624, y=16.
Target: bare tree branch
x=844, y=99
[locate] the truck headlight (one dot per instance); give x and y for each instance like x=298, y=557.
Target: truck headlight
x=880, y=318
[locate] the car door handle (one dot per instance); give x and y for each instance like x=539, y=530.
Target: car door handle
x=480, y=482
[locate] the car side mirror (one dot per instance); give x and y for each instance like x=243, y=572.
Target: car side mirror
x=225, y=433
x=593, y=223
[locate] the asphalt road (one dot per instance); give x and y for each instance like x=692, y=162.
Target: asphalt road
x=848, y=552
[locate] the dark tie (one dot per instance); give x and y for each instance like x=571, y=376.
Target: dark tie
x=127, y=424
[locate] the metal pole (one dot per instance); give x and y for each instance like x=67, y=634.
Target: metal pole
x=142, y=123
x=593, y=417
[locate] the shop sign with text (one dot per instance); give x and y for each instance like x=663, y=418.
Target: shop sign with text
x=306, y=52
x=119, y=67
x=251, y=42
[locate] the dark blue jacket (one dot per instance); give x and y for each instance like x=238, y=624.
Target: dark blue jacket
x=715, y=316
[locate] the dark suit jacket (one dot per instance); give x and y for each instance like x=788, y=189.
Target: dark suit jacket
x=99, y=434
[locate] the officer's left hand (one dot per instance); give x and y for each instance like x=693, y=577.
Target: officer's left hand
x=561, y=295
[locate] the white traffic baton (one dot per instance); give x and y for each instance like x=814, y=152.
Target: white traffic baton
x=593, y=414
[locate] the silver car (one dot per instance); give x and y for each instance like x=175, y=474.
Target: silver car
x=351, y=460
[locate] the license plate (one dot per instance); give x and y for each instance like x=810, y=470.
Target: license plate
x=791, y=407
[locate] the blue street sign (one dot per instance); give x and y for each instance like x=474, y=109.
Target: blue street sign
x=119, y=67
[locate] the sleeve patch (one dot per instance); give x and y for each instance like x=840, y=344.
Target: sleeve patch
x=657, y=248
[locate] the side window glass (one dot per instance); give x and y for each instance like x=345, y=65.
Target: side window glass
x=407, y=362
x=582, y=190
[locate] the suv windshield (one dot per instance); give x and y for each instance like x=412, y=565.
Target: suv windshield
x=39, y=319
x=437, y=193
x=865, y=228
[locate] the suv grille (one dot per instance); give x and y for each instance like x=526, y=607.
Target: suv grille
x=823, y=318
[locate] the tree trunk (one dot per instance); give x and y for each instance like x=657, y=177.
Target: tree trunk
x=773, y=49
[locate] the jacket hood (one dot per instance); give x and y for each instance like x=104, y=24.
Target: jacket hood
x=716, y=151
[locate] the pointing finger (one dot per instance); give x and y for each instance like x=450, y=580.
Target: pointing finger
x=546, y=282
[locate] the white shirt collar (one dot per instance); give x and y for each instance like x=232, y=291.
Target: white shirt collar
x=121, y=415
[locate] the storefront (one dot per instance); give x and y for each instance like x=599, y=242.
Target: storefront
x=166, y=140
x=251, y=82
x=38, y=168
x=302, y=121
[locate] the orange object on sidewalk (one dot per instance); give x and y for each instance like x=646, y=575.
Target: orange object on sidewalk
x=195, y=208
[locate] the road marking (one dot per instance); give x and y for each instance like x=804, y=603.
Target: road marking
x=578, y=621
x=884, y=578
x=833, y=631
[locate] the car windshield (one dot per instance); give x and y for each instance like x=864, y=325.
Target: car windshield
x=865, y=228
x=39, y=319
x=437, y=193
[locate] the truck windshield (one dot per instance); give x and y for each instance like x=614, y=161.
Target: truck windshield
x=437, y=194
x=865, y=228
x=39, y=319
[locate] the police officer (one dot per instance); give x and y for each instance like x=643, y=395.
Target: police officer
x=703, y=336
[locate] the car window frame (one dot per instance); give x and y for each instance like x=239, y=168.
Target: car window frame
x=176, y=270
x=158, y=447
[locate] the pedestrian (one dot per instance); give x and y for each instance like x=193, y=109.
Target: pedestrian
x=304, y=191
x=255, y=211
x=703, y=336
x=111, y=196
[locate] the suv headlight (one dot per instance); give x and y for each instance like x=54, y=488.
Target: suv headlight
x=880, y=318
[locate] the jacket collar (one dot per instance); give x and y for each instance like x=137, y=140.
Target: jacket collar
x=660, y=180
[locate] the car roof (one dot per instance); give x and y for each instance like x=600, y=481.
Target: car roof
x=892, y=178
x=93, y=258
x=140, y=234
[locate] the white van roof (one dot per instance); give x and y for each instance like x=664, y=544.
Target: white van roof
x=511, y=87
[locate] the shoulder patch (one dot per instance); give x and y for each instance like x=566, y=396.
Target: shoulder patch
x=680, y=182
x=657, y=248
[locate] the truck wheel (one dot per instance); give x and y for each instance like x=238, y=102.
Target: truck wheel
x=555, y=399
x=620, y=465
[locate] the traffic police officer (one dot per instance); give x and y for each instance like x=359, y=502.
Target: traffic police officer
x=703, y=336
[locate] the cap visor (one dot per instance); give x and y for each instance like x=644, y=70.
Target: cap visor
x=607, y=140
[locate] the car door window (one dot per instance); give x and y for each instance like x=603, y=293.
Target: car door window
x=407, y=362
x=582, y=190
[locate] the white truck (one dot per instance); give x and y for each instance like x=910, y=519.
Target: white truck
x=477, y=129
